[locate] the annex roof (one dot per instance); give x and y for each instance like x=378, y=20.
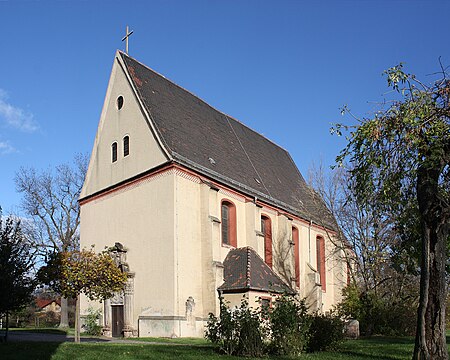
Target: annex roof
x=210, y=142
x=245, y=270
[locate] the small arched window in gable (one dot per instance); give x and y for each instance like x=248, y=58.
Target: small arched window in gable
x=126, y=146
x=320, y=248
x=119, y=102
x=114, y=152
x=266, y=229
x=229, y=236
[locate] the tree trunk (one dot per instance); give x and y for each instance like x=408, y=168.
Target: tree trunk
x=77, y=320
x=64, y=322
x=7, y=326
x=430, y=333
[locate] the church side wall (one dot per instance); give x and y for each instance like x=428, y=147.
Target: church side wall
x=140, y=217
x=201, y=252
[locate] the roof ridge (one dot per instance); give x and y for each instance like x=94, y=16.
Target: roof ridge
x=249, y=265
x=199, y=98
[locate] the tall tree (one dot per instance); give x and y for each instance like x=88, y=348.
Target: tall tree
x=50, y=198
x=378, y=266
x=369, y=238
x=402, y=155
x=16, y=262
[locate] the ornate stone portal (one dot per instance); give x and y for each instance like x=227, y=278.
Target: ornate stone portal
x=122, y=299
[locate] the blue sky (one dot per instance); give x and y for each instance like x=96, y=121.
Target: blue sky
x=284, y=68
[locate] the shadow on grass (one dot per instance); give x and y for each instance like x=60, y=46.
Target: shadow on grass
x=28, y=350
x=39, y=331
x=389, y=348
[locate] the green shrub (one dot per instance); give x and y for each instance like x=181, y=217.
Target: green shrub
x=378, y=315
x=236, y=332
x=286, y=329
x=326, y=332
x=91, y=325
x=289, y=326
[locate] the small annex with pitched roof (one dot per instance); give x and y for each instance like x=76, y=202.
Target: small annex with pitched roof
x=195, y=196
x=245, y=270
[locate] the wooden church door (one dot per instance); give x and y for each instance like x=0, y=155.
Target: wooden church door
x=117, y=320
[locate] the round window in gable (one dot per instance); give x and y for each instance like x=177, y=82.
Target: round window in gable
x=120, y=102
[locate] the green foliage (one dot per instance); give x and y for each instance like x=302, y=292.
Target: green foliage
x=289, y=325
x=402, y=156
x=73, y=272
x=91, y=322
x=326, y=332
x=237, y=331
x=378, y=315
x=402, y=148
x=350, y=306
x=16, y=261
x=286, y=330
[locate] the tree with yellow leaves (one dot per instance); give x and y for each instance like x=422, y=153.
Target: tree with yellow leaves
x=72, y=273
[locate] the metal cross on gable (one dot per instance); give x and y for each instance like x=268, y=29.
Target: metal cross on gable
x=125, y=38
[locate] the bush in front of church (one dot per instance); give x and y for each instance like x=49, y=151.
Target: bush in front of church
x=286, y=329
x=91, y=322
x=325, y=332
x=237, y=331
x=289, y=325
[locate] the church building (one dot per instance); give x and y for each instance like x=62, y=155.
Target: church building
x=195, y=205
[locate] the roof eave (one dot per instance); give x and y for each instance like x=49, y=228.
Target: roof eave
x=242, y=187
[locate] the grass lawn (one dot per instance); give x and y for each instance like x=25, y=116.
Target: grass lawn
x=183, y=341
x=366, y=349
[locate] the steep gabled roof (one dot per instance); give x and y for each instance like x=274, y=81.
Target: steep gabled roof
x=42, y=303
x=245, y=270
x=220, y=147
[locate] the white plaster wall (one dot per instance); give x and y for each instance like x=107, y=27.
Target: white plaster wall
x=141, y=218
x=114, y=124
x=188, y=252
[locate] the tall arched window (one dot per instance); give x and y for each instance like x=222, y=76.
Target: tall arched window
x=266, y=229
x=126, y=146
x=320, y=248
x=296, y=255
x=229, y=236
x=114, y=152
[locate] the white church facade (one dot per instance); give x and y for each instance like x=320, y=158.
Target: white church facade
x=198, y=205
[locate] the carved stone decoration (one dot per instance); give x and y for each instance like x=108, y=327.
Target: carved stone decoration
x=118, y=298
x=126, y=297
x=128, y=306
x=190, y=311
x=119, y=255
x=190, y=306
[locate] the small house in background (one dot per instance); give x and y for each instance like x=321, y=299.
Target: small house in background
x=47, y=305
x=198, y=204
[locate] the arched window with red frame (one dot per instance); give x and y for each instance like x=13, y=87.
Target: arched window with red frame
x=320, y=248
x=266, y=229
x=295, y=240
x=228, y=211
